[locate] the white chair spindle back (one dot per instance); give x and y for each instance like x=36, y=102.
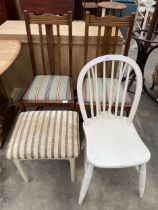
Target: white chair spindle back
x=112, y=100
x=111, y=89
x=104, y=86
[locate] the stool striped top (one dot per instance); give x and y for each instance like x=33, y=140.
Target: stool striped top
x=45, y=135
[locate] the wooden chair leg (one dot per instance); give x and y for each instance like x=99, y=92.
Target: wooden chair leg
x=85, y=183
x=72, y=107
x=72, y=169
x=22, y=107
x=142, y=179
x=21, y=170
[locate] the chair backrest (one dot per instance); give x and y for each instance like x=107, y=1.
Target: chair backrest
x=108, y=34
x=48, y=6
x=108, y=95
x=49, y=31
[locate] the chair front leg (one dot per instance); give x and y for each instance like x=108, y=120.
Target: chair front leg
x=72, y=169
x=21, y=170
x=85, y=183
x=142, y=179
x=83, y=144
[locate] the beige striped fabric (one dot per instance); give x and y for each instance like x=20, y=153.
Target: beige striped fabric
x=45, y=135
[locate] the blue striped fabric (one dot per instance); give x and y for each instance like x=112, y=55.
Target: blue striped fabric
x=48, y=87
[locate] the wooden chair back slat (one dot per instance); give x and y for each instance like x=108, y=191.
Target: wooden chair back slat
x=58, y=50
x=49, y=40
x=106, y=40
x=86, y=39
x=42, y=49
x=70, y=43
x=98, y=41
x=115, y=40
x=30, y=42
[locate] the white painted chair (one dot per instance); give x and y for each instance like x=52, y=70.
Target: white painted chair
x=111, y=138
x=145, y=7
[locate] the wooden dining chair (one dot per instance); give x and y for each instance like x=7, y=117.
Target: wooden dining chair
x=52, y=86
x=111, y=138
x=107, y=41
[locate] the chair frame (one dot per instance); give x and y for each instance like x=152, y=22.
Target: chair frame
x=48, y=20
x=91, y=66
x=108, y=22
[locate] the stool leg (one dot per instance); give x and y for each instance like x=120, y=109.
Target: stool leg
x=152, y=87
x=72, y=168
x=21, y=170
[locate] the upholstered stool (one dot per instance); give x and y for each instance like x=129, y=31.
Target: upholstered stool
x=39, y=135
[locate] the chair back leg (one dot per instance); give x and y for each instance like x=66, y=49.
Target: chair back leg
x=142, y=179
x=21, y=170
x=72, y=169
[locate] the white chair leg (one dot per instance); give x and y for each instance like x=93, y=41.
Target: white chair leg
x=72, y=169
x=85, y=183
x=142, y=179
x=21, y=170
x=85, y=159
x=83, y=144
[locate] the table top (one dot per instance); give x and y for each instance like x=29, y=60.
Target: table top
x=9, y=50
x=111, y=5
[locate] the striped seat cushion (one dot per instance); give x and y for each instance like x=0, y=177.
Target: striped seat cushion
x=45, y=135
x=48, y=87
x=86, y=94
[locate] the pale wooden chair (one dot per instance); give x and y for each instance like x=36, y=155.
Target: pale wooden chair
x=52, y=87
x=111, y=138
x=43, y=135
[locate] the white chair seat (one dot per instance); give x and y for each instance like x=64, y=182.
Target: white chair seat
x=113, y=142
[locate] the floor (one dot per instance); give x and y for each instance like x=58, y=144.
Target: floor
x=50, y=187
